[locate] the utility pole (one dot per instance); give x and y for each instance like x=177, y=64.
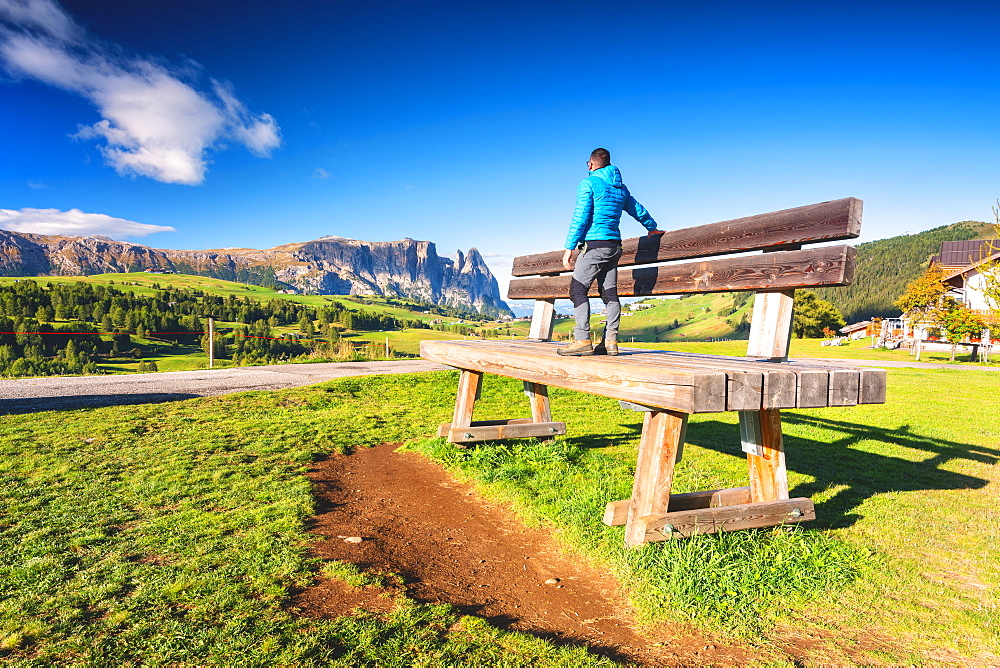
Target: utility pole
x=211, y=342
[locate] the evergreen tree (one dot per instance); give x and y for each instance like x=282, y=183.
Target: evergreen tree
x=812, y=315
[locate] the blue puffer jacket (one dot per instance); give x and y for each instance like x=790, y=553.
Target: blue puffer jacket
x=600, y=200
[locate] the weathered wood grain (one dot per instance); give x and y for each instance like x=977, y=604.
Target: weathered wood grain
x=869, y=382
x=616, y=512
x=872, y=386
x=688, y=390
x=542, y=320
x=654, y=474
x=786, y=384
x=844, y=387
x=768, y=477
x=828, y=221
x=779, y=383
x=498, y=432
x=829, y=266
x=744, y=386
x=469, y=384
x=639, y=375
x=538, y=398
x=445, y=427
x=813, y=388
x=685, y=523
x=771, y=325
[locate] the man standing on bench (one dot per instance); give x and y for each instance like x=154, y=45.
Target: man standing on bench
x=600, y=200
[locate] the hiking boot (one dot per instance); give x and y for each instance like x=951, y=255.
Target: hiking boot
x=577, y=348
x=606, y=348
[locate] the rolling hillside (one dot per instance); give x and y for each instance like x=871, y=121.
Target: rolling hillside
x=886, y=266
x=689, y=318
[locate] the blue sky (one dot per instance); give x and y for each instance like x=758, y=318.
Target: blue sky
x=253, y=124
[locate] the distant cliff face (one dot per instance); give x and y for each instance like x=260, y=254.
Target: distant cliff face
x=327, y=266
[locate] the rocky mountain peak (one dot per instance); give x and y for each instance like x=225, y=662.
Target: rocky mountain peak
x=329, y=265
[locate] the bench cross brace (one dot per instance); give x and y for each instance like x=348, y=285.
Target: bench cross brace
x=654, y=514
x=462, y=429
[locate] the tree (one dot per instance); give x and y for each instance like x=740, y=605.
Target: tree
x=990, y=271
x=958, y=321
x=921, y=299
x=219, y=349
x=813, y=314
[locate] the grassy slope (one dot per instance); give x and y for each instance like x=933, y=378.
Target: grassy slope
x=698, y=316
x=905, y=499
x=175, y=531
x=184, y=358
x=886, y=266
x=142, y=283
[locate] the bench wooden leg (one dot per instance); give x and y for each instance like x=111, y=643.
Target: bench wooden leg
x=470, y=384
x=538, y=397
x=761, y=434
x=662, y=432
x=462, y=429
x=653, y=514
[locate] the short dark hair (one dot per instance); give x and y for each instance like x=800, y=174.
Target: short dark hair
x=601, y=157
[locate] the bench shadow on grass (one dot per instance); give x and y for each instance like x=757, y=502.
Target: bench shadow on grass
x=861, y=474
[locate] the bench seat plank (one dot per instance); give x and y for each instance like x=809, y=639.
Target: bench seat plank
x=686, y=390
x=783, y=270
x=686, y=382
x=785, y=384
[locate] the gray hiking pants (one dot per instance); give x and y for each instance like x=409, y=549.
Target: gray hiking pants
x=600, y=264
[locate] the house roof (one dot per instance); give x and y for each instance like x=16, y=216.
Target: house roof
x=972, y=264
x=855, y=327
x=964, y=253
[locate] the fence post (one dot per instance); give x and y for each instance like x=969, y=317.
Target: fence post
x=211, y=342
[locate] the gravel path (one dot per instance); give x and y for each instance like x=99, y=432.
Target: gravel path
x=27, y=395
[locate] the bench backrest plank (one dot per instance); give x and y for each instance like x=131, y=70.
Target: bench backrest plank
x=836, y=220
x=773, y=274
x=829, y=266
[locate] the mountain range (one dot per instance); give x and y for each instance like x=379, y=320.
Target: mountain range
x=328, y=266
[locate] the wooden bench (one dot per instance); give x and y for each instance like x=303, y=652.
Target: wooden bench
x=669, y=386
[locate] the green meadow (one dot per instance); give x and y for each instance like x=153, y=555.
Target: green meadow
x=693, y=318
x=141, y=283
x=176, y=534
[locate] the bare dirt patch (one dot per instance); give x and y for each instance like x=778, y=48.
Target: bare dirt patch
x=451, y=546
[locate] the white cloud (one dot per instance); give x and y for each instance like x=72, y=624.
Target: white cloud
x=41, y=15
x=321, y=173
x=74, y=221
x=153, y=123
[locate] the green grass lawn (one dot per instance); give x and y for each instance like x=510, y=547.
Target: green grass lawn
x=698, y=318
x=173, y=533
x=405, y=341
x=858, y=350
